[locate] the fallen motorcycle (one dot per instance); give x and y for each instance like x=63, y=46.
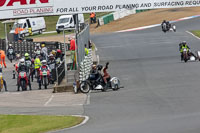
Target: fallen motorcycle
x=99, y=84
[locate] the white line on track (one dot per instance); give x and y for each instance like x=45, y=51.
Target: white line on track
x=50, y=99
x=82, y=123
x=193, y=35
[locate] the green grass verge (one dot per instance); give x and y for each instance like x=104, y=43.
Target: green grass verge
x=196, y=32
x=50, y=23
x=36, y=123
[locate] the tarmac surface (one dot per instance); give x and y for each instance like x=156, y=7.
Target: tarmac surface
x=160, y=94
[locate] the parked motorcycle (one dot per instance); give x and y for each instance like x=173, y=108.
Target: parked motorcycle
x=10, y=55
x=22, y=81
x=98, y=84
x=44, y=78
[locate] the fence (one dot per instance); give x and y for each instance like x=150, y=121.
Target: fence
x=3, y=44
x=28, y=47
x=82, y=39
x=60, y=72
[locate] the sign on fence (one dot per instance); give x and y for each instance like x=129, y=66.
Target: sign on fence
x=30, y=8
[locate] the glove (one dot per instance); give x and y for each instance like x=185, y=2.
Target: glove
x=107, y=63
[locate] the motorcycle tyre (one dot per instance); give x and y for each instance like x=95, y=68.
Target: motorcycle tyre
x=45, y=82
x=23, y=85
x=84, y=83
x=116, y=87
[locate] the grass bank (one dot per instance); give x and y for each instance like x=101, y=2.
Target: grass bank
x=36, y=123
x=196, y=33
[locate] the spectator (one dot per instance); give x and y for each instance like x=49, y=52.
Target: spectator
x=92, y=18
x=2, y=54
x=86, y=50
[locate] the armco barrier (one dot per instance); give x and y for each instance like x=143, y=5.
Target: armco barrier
x=114, y=16
x=108, y=18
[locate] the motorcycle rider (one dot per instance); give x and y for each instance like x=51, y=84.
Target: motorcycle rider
x=184, y=45
x=106, y=75
x=52, y=65
x=10, y=47
x=44, y=51
x=4, y=82
x=59, y=56
x=167, y=24
x=37, y=50
x=37, y=65
x=23, y=68
x=44, y=66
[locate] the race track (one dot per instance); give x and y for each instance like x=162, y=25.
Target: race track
x=161, y=94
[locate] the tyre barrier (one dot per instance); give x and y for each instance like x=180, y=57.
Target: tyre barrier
x=85, y=66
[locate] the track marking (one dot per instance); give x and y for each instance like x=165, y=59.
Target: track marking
x=193, y=35
x=82, y=123
x=50, y=99
x=88, y=99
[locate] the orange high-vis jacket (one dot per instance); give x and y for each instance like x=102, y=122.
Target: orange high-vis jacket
x=92, y=15
x=17, y=30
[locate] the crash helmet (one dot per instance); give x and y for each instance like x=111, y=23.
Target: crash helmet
x=26, y=55
x=164, y=21
x=44, y=62
x=99, y=67
x=51, y=56
x=59, y=51
x=43, y=45
x=10, y=45
x=38, y=45
x=22, y=61
x=184, y=43
x=53, y=52
x=94, y=66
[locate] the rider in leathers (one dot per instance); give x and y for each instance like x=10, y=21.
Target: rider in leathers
x=23, y=68
x=184, y=45
x=11, y=47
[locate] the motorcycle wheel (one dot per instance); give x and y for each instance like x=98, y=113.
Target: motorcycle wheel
x=84, y=87
x=23, y=85
x=116, y=87
x=45, y=82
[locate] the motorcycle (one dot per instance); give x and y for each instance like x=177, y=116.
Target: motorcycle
x=22, y=81
x=172, y=28
x=188, y=55
x=10, y=55
x=164, y=27
x=98, y=84
x=44, y=77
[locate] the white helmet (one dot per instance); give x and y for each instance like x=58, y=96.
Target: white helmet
x=37, y=45
x=22, y=61
x=10, y=45
x=44, y=62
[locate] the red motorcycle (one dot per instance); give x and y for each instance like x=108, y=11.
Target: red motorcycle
x=44, y=77
x=22, y=81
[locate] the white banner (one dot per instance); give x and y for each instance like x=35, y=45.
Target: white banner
x=30, y=8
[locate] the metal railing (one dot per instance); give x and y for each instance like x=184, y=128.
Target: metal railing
x=60, y=72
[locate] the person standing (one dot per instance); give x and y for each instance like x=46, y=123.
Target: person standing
x=3, y=55
x=72, y=49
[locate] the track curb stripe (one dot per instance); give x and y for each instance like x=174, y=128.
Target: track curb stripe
x=151, y=26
